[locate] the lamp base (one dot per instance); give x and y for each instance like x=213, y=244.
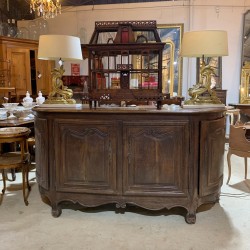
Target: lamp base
x=59, y=100
x=201, y=93
x=208, y=98
x=60, y=94
x=201, y=106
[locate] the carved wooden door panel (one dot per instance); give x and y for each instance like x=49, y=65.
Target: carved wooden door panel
x=88, y=162
x=20, y=69
x=212, y=140
x=42, y=167
x=156, y=158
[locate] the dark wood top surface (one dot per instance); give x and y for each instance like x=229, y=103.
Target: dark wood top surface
x=126, y=110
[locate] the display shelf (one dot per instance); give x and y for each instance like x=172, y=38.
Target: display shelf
x=125, y=62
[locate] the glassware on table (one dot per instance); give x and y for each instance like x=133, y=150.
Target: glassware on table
x=11, y=108
x=27, y=110
x=29, y=105
x=40, y=99
x=3, y=114
x=27, y=98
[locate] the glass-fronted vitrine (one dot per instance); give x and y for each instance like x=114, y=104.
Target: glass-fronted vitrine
x=125, y=62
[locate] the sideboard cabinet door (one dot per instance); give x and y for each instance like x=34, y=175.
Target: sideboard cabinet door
x=212, y=142
x=85, y=156
x=156, y=158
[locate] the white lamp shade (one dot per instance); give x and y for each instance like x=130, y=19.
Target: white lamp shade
x=206, y=43
x=54, y=47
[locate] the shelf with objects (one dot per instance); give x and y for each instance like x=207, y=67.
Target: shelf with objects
x=125, y=64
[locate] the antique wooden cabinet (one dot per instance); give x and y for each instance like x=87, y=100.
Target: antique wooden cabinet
x=27, y=73
x=125, y=62
x=154, y=159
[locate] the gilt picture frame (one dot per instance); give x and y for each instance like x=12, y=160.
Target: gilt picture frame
x=172, y=63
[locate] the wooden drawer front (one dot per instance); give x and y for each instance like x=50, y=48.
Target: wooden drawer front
x=88, y=159
x=156, y=158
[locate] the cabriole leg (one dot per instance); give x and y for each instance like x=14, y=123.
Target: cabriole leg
x=56, y=210
x=191, y=218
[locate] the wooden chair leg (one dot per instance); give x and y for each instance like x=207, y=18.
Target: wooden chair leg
x=229, y=165
x=4, y=181
x=13, y=174
x=245, y=167
x=27, y=177
x=24, y=186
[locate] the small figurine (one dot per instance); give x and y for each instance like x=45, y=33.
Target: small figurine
x=40, y=99
x=28, y=98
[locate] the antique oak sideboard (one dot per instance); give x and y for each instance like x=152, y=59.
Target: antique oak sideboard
x=154, y=159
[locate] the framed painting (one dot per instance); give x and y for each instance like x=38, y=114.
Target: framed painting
x=216, y=63
x=171, y=35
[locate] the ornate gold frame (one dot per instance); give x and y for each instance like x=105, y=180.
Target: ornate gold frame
x=244, y=85
x=245, y=61
x=172, y=35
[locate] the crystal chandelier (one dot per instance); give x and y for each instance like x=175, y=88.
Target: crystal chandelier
x=45, y=8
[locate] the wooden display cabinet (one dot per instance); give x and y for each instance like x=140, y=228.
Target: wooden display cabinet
x=125, y=62
x=27, y=73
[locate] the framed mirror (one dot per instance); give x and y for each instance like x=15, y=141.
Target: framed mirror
x=245, y=61
x=171, y=34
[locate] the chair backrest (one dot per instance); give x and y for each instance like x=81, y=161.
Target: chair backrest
x=237, y=138
x=234, y=113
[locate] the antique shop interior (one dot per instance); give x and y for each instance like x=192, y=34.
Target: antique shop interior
x=124, y=124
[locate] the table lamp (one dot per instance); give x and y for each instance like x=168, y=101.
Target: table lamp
x=206, y=43
x=62, y=48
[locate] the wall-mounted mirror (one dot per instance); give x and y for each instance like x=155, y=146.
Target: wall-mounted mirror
x=245, y=61
x=171, y=34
